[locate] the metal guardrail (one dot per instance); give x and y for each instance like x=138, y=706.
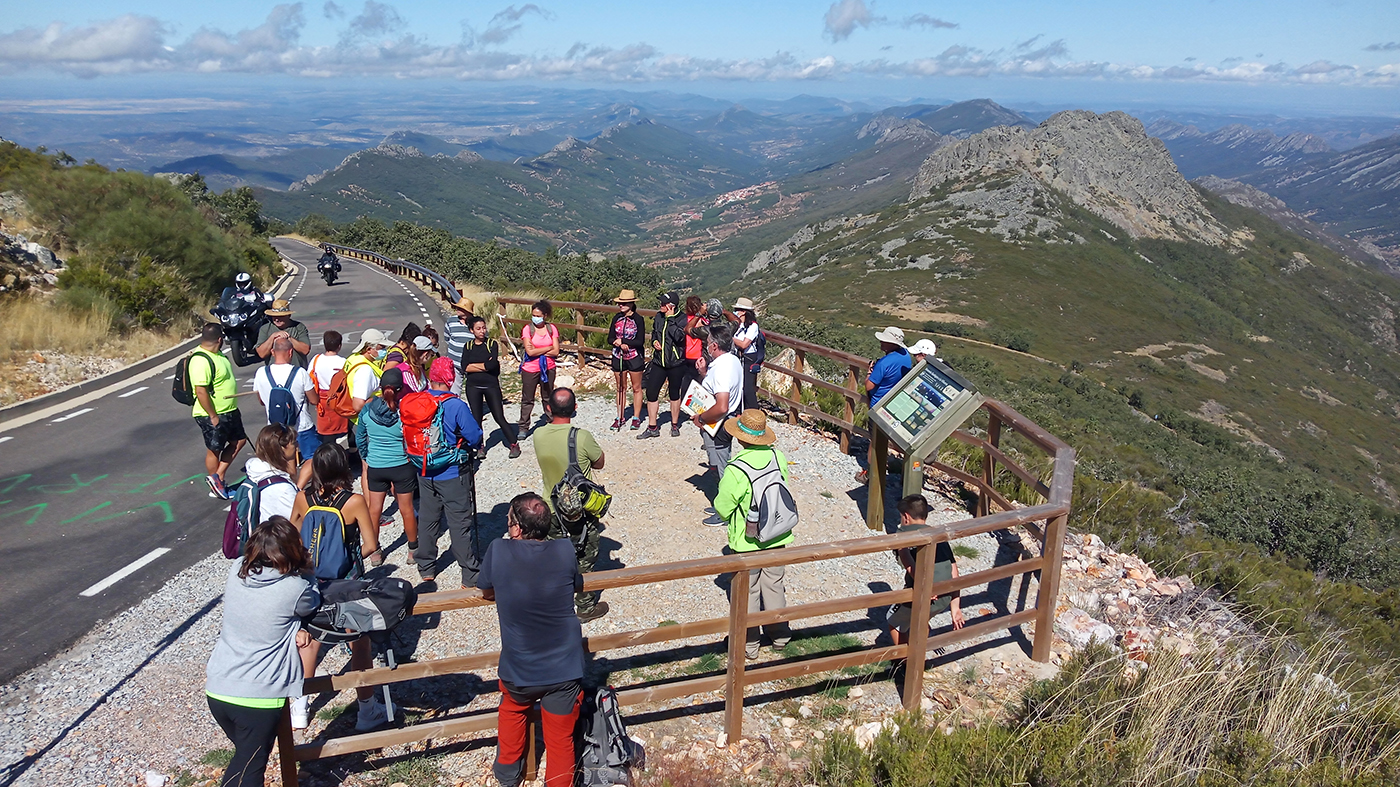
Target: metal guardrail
x=436, y=281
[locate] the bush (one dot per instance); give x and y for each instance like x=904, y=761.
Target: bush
x=1018, y=339
x=947, y=328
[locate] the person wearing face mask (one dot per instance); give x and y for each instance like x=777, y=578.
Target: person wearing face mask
x=627, y=337
x=540, y=342
x=481, y=367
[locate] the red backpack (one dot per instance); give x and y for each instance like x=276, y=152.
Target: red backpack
x=424, y=437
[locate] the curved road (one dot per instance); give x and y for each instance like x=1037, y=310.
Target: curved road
x=104, y=501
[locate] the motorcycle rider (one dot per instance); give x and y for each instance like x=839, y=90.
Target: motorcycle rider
x=245, y=289
x=327, y=261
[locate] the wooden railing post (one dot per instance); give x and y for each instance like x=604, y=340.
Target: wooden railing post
x=287, y=747
x=875, y=491
x=853, y=382
x=924, y=558
x=532, y=746
x=1049, y=592
x=984, y=503
x=799, y=364
x=578, y=336
x=734, y=672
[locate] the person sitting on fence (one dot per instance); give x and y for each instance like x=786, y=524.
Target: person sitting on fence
x=254, y=666
x=734, y=502
x=533, y=579
x=885, y=371
x=667, y=365
x=913, y=512
x=724, y=379
x=539, y=341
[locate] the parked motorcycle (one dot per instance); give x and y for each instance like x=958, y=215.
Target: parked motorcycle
x=241, y=319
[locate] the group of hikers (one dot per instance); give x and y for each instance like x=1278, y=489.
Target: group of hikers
x=408, y=424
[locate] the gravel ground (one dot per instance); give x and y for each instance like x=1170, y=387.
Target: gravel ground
x=129, y=697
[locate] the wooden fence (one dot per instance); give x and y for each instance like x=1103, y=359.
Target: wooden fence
x=1047, y=520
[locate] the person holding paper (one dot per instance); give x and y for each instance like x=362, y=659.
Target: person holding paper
x=724, y=380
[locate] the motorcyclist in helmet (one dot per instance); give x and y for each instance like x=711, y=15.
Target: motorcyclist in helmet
x=243, y=285
x=328, y=259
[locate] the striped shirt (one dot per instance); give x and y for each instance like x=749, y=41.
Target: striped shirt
x=458, y=337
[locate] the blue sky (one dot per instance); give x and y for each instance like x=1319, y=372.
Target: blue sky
x=1338, y=52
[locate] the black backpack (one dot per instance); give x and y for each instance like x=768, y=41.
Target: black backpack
x=351, y=608
x=182, y=390
x=606, y=753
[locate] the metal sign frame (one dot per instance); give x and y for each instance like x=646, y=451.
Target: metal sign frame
x=917, y=447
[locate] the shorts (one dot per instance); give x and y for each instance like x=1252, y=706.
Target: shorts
x=307, y=442
x=226, y=434
x=675, y=378
x=898, y=618
x=634, y=365
x=402, y=480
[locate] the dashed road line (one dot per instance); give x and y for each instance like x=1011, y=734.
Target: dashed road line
x=134, y=391
x=71, y=415
x=6, y=439
x=128, y=570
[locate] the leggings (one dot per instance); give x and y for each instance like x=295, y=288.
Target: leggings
x=253, y=732
x=750, y=389
x=560, y=706
x=528, y=382
x=481, y=397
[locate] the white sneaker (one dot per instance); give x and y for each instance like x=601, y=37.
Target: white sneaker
x=300, y=708
x=372, y=715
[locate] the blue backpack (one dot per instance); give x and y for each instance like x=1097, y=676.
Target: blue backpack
x=335, y=552
x=281, y=405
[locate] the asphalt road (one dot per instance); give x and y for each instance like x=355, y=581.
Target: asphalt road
x=88, y=494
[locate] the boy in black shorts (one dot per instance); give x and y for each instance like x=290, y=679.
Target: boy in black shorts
x=913, y=510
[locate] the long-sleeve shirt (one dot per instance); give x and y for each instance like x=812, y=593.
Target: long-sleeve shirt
x=458, y=423
x=634, y=336
x=735, y=495
x=670, y=331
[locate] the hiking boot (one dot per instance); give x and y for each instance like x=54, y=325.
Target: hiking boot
x=301, y=712
x=617, y=424
x=675, y=430
x=650, y=431
x=600, y=609
x=636, y=424
x=515, y=451
x=372, y=715
x=713, y=520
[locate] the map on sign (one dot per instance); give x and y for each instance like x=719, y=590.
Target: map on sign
x=930, y=400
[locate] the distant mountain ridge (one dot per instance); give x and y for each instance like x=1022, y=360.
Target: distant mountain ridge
x=1235, y=150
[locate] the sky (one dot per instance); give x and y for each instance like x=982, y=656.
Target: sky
x=1337, y=54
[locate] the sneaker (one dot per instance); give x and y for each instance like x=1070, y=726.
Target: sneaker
x=481, y=454
x=617, y=424
x=675, y=430
x=523, y=429
x=301, y=712
x=710, y=510
x=600, y=609
x=713, y=520
x=515, y=451
x=216, y=487
x=650, y=431
x=636, y=424
x=386, y=519
x=372, y=715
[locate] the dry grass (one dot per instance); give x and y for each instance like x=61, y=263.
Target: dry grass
x=29, y=324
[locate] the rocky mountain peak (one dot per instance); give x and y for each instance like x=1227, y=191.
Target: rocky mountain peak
x=1106, y=163
x=891, y=128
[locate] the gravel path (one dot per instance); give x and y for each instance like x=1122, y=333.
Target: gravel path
x=128, y=698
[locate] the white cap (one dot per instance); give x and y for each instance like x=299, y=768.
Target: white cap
x=422, y=343
x=924, y=347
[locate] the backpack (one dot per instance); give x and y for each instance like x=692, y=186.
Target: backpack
x=244, y=513
x=281, y=404
x=351, y=608
x=182, y=390
x=772, y=509
x=755, y=362
x=424, y=437
x=334, y=551
x=337, y=396
x=576, y=494
x=606, y=753
x=327, y=420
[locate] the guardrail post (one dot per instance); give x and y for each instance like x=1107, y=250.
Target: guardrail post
x=1048, y=594
x=799, y=364
x=578, y=337
x=853, y=380
x=984, y=501
x=738, y=636
x=287, y=747
x=924, y=558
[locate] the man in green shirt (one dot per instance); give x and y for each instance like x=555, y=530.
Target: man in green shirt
x=216, y=408
x=766, y=588
x=280, y=323
x=552, y=453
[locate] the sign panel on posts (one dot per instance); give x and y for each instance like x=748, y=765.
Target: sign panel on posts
x=921, y=411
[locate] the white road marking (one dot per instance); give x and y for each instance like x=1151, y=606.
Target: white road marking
x=131, y=568
x=6, y=439
x=134, y=391
x=171, y=377
x=71, y=415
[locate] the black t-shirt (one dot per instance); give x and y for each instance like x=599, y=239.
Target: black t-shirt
x=535, y=583
x=489, y=354
x=942, y=565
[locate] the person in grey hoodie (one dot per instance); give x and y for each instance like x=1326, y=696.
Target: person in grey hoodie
x=255, y=667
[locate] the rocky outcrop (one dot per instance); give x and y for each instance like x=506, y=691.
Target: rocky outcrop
x=1105, y=163
x=892, y=129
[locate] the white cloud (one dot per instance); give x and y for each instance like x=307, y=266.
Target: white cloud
x=332, y=11
x=924, y=20
x=1389, y=46
x=372, y=44
x=506, y=23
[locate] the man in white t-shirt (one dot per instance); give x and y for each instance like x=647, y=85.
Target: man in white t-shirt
x=330, y=425
x=283, y=373
x=724, y=379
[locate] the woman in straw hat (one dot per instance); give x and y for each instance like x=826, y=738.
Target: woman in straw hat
x=627, y=335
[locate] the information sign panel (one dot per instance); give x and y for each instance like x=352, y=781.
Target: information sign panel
x=925, y=406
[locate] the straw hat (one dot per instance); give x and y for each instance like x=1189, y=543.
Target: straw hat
x=745, y=304
x=465, y=305
x=751, y=428
x=892, y=335
x=279, y=308
x=626, y=296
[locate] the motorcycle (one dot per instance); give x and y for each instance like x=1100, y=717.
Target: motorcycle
x=241, y=319
x=329, y=267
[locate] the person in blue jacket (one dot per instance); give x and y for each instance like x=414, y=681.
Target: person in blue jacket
x=450, y=494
